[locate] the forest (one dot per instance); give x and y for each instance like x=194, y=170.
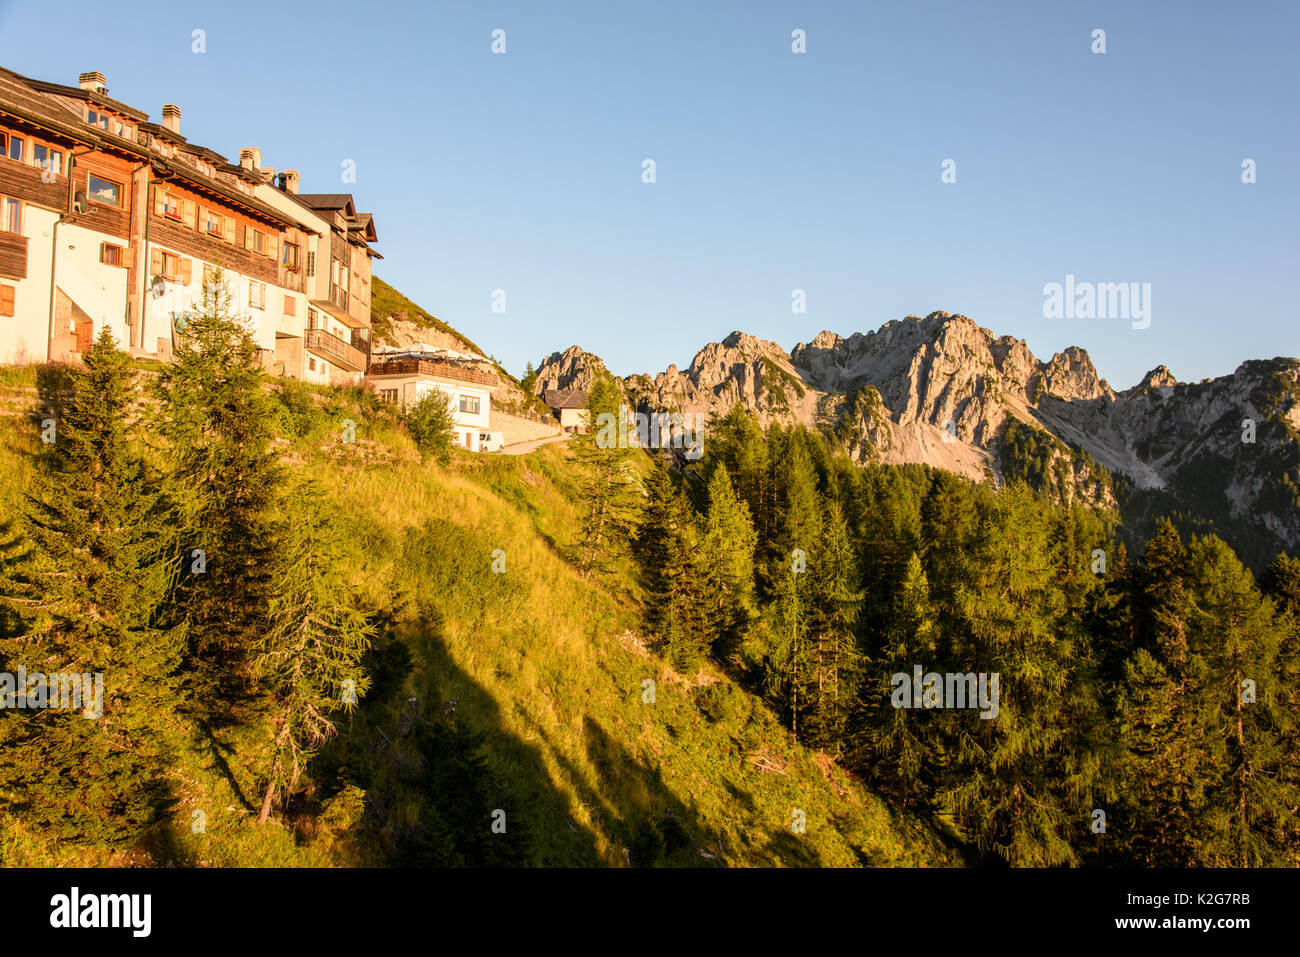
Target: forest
x=1148, y=709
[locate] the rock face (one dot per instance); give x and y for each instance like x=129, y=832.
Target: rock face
x=572, y=369
x=941, y=391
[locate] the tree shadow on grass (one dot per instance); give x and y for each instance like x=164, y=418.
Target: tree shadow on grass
x=446, y=783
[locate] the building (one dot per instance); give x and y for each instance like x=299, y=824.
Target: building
x=109, y=220
x=570, y=407
x=404, y=375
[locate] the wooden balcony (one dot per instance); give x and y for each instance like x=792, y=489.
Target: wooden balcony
x=335, y=349
x=433, y=367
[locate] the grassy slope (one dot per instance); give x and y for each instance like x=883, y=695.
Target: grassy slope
x=547, y=665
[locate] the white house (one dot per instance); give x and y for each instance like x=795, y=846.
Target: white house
x=404, y=375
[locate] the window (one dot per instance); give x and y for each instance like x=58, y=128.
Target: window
x=97, y=119
x=257, y=295
x=388, y=395
x=258, y=242
x=110, y=254
x=16, y=144
x=311, y=363
x=290, y=305
x=211, y=223
x=469, y=403
x=102, y=191
x=11, y=215
x=313, y=318
x=290, y=256
x=169, y=266
x=311, y=265
x=47, y=157
x=6, y=301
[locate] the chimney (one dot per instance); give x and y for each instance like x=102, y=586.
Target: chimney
x=269, y=175
x=94, y=82
x=291, y=180
x=250, y=157
x=172, y=117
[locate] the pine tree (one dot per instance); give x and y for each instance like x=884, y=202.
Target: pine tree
x=1024, y=781
x=604, y=486
x=1242, y=702
x=667, y=547
x=836, y=658
x=1167, y=772
x=309, y=661
x=788, y=665
x=901, y=747
x=727, y=562
x=218, y=427
x=87, y=606
x=736, y=442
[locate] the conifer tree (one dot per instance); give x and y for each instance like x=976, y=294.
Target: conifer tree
x=1166, y=773
x=217, y=424
x=87, y=606
x=1243, y=703
x=668, y=549
x=1023, y=781
x=835, y=655
x=788, y=667
x=737, y=442
x=604, y=484
x=309, y=661
x=899, y=743
x=727, y=563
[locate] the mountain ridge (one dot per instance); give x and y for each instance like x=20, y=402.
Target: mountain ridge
x=943, y=391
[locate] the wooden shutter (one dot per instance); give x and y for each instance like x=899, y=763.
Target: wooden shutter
x=159, y=201
x=273, y=247
x=189, y=213
x=155, y=263
x=228, y=228
x=290, y=305
x=187, y=271
x=103, y=252
x=6, y=300
x=248, y=237
x=128, y=258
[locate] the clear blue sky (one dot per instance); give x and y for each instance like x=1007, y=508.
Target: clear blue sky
x=775, y=171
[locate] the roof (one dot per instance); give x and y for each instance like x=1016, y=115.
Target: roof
x=33, y=102
x=165, y=170
x=341, y=201
x=565, y=398
x=20, y=99
x=90, y=96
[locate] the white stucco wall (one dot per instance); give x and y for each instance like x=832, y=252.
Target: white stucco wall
x=26, y=337
x=97, y=289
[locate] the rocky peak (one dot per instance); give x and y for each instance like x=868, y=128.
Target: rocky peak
x=572, y=369
x=1157, y=377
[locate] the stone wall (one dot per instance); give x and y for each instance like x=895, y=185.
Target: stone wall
x=517, y=429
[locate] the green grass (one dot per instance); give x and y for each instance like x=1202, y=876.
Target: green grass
x=547, y=670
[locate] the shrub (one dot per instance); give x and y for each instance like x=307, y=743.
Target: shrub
x=431, y=426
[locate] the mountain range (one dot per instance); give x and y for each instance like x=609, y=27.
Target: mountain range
x=1219, y=455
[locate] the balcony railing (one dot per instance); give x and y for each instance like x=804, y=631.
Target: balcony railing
x=332, y=347
x=431, y=367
